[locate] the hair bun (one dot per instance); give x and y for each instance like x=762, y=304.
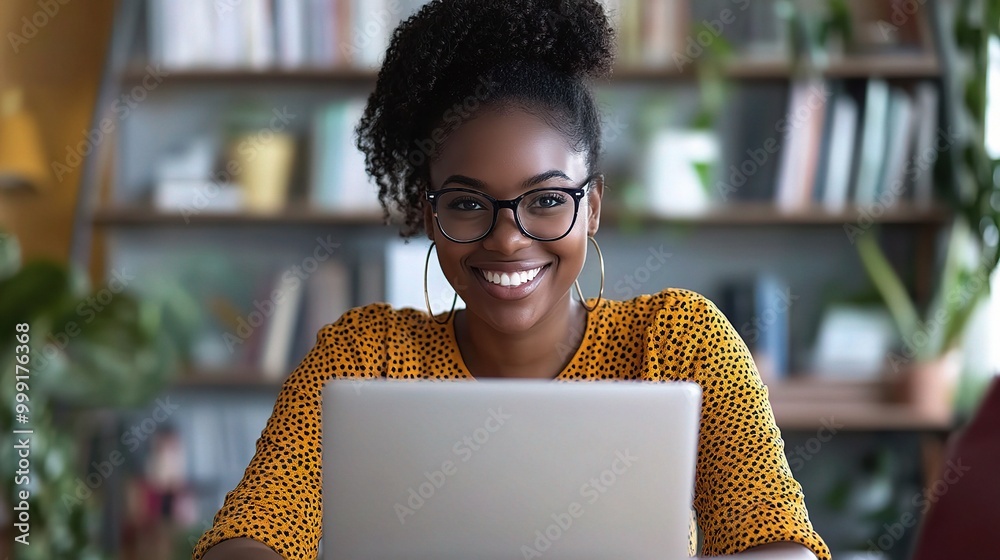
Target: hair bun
x=572, y=36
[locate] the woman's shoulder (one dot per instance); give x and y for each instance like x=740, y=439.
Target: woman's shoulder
x=677, y=311
x=373, y=321
x=670, y=299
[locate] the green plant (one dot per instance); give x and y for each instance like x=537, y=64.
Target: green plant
x=75, y=355
x=971, y=178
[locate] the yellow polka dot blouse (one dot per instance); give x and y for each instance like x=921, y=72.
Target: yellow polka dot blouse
x=745, y=494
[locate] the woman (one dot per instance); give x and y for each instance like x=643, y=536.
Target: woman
x=482, y=134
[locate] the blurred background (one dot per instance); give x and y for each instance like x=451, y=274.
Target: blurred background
x=183, y=208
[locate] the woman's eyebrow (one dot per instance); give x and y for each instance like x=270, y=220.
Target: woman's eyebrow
x=527, y=183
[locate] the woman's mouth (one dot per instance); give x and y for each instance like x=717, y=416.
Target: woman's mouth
x=513, y=279
x=511, y=284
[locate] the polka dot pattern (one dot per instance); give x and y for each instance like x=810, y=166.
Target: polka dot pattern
x=745, y=494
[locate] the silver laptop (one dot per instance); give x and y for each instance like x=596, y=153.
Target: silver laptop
x=506, y=469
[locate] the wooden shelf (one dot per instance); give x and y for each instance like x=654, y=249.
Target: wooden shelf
x=304, y=76
x=769, y=215
x=883, y=66
x=800, y=405
x=809, y=404
x=144, y=217
x=886, y=66
x=734, y=215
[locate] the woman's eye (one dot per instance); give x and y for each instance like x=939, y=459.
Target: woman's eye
x=465, y=204
x=550, y=200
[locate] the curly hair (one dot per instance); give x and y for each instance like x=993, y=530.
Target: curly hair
x=453, y=58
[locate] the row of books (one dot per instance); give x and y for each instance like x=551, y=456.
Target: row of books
x=274, y=331
x=836, y=146
x=878, y=151
x=759, y=308
x=264, y=34
x=279, y=326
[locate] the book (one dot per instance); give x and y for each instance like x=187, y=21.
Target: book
x=290, y=23
x=285, y=299
x=900, y=126
x=840, y=153
x=800, y=148
x=260, y=33
x=871, y=150
x=327, y=297
x=759, y=308
x=339, y=179
x=773, y=301
x=327, y=154
x=925, y=153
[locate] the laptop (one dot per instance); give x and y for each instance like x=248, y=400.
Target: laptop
x=505, y=469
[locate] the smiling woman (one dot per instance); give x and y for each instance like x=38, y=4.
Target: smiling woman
x=510, y=194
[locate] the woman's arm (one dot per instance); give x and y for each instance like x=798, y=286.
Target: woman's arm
x=745, y=493
x=775, y=551
x=241, y=549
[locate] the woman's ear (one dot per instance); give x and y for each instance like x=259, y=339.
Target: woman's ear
x=594, y=196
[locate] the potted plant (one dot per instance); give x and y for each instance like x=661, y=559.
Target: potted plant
x=66, y=348
x=929, y=362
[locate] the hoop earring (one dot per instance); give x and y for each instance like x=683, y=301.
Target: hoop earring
x=427, y=297
x=576, y=283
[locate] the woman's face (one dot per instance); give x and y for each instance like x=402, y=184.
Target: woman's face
x=499, y=151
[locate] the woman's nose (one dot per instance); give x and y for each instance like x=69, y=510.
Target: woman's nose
x=506, y=237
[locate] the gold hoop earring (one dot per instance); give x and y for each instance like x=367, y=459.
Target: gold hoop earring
x=427, y=297
x=576, y=283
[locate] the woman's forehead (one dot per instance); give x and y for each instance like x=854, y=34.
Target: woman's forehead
x=502, y=150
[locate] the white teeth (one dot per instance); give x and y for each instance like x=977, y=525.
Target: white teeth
x=511, y=279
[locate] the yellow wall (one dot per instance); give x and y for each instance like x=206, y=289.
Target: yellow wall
x=59, y=69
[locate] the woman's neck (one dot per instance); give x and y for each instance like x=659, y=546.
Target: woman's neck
x=540, y=352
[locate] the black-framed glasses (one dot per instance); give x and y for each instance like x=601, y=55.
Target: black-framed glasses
x=546, y=214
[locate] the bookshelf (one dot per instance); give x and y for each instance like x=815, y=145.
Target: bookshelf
x=735, y=215
x=900, y=67
x=230, y=255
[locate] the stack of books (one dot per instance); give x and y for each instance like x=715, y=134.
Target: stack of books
x=265, y=34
